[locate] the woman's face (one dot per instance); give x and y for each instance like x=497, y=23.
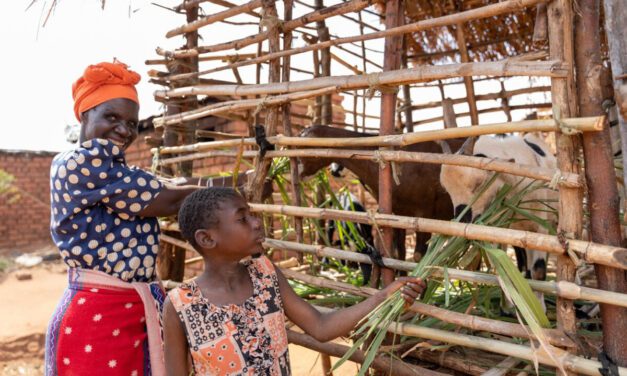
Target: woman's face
x=115, y=120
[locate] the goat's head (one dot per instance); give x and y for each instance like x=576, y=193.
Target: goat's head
x=464, y=183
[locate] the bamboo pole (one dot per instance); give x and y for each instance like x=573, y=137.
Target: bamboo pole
x=476, y=323
x=533, y=172
x=287, y=126
x=580, y=124
x=485, y=97
x=322, y=14
x=590, y=252
x=326, y=109
x=380, y=362
x=504, y=68
x=450, y=360
x=239, y=105
x=391, y=61
x=216, y=17
x=470, y=89
x=407, y=106
x=487, y=11
x=569, y=361
x=486, y=110
x=570, y=208
x=262, y=165
x=603, y=198
x=563, y=289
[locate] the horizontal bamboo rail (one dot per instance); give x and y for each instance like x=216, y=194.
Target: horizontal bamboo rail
x=575, y=124
x=285, y=26
x=531, y=106
x=485, y=97
x=477, y=323
x=568, y=361
x=216, y=17
x=415, y=74
x=381, y=362
x=588, y=124
x=562, y=289
x=239, y=105
x=544, y=174
x=615, y=257
x=503, y=7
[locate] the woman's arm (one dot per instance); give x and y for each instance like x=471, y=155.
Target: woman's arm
x=327, y=326
x=168, y=201
x=175, y=343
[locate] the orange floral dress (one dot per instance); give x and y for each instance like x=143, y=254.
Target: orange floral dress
x=246, y=339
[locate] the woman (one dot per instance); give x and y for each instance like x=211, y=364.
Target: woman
x=104, y=224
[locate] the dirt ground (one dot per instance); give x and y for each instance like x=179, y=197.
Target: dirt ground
x=28, y=304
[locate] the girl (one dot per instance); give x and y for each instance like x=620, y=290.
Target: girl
x=231, y=318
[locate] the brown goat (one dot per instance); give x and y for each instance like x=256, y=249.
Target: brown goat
x=419, y=193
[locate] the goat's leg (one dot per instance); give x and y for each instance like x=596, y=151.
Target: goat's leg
x=521, y=259
x=536, y=267
x=421, y=245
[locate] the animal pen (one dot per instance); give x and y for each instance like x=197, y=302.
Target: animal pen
x=427, y=44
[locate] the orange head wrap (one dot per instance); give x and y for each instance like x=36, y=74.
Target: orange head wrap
x=103, y=82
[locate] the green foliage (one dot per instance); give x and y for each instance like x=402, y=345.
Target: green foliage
x=8, y=188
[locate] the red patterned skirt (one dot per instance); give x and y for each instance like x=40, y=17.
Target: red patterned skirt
x=104, y=326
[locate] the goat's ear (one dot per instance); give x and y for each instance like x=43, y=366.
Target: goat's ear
x=467, y=147
x=446, y=148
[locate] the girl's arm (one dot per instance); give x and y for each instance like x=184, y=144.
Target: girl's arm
x=175, y=343
x=327, y=326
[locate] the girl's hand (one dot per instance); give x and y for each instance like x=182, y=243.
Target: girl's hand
x=411, y=288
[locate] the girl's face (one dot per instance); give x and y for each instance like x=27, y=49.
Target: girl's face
x=238, y=231
x=115, y=120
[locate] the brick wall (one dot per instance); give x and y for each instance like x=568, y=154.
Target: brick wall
x=25, y=211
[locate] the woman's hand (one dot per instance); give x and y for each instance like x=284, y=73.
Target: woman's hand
x=411, y=288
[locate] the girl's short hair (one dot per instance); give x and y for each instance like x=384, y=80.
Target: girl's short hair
x=200, y=210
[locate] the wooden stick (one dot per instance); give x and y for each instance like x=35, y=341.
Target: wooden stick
x=450, y=360
x=487, y=110
x=570, y=209
x=504, y=68
x=322, y=14
x=216, y=17
x=569, y=361
x=470, y=89
x=381, y=362
x=491, y=10
x=485, y=97
x=468, y=321
x=503, y=367
x=603, y=197
x=262, y=166
x=590, y=252
x=238, y=105
x=564, y=289
x=580, y=124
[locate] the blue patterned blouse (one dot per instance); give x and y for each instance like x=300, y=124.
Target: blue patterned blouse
x=95, y=198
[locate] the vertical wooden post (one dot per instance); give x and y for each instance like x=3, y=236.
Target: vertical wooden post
x=325, y=65
x=603, y=200
x=409, y=118
x=391, y=61
x=175, y=269
x=505, y=100
x=570, y=199
x=615, y=26
x=365, y=70
x=262, y=165
x=470, y=89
